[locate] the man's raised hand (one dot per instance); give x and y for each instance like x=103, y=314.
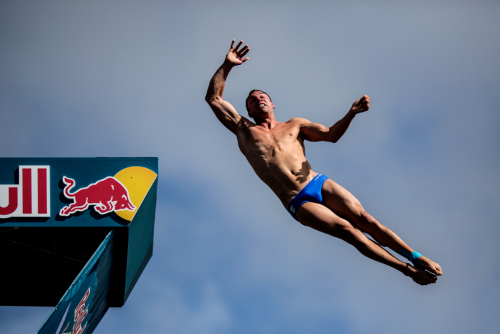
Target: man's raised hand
x=235, y=56
x=361, y=105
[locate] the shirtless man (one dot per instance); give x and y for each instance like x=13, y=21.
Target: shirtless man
x=276, y=153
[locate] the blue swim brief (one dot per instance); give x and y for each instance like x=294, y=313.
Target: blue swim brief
x=310, y=193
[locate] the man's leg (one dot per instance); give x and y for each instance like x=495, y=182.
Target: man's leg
x=344, y=204
x=324, y=220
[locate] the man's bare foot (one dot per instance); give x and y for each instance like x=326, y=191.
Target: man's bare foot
x=429, y=265
x=420, y=276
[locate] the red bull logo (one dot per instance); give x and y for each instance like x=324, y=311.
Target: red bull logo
x=122, y=193
x=81, y=312
x=29, y=198
x=105, y=195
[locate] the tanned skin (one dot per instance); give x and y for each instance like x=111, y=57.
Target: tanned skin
x=277, y=155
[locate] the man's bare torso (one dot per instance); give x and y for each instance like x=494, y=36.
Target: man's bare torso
x=277, y=156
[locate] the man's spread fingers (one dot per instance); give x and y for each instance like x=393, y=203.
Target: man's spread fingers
x=245, y=52
x=244, y=48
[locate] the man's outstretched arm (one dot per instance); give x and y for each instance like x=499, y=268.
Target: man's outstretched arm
x=318, y=132
x=224, y=111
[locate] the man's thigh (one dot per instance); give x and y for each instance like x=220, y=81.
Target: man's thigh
x=341, y=201
x=322, y=219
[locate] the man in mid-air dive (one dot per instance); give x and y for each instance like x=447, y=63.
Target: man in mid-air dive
x=277, y=155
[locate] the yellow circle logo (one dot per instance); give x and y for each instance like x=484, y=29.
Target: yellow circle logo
x=138, y=181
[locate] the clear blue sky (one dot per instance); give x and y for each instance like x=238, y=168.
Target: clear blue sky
x=110, y=78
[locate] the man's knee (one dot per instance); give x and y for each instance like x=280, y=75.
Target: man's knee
x=351, y=235
x=364, y=219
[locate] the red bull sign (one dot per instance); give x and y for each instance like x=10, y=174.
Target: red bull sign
x=61, y=192
x=61, y=218
x=80, y=225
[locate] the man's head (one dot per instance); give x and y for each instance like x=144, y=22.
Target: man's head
x=258, y=100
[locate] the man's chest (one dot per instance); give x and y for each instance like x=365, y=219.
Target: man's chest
x=269, y=141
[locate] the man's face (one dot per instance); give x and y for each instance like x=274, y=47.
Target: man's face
x=259, y=102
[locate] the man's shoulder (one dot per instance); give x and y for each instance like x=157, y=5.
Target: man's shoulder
x=298, y=120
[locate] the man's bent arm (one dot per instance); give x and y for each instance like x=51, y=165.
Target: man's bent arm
x=224, y=111
x=318, y=132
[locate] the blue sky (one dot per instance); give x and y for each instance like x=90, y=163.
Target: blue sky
x=109, y=78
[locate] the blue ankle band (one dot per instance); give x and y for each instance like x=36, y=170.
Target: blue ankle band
x=413, y=257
